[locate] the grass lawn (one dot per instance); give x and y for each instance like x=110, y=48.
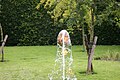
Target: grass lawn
x=36, y=62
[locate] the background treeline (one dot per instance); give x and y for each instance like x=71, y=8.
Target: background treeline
x=27, y=25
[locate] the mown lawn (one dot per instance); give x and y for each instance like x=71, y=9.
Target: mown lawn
x=36, y=62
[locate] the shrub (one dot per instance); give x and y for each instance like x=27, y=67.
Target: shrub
x=109, y=56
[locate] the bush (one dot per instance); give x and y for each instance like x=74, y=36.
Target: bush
x=110, y=55
x=27, y=26
x=109, y=31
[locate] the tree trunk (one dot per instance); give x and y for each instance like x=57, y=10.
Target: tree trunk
x=1, y=33
x=83, y=35
x=90, y=56
x=91, y=44
x=89, y=68
x=2, y=48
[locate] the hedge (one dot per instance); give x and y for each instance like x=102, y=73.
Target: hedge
x=27, y=26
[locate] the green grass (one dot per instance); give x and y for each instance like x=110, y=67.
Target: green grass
x=36, y=62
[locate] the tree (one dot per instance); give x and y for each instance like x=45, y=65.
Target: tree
x=70, y=13
x=74, y=13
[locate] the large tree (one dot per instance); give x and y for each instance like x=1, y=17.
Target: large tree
x=81, y=13
x=73, y=14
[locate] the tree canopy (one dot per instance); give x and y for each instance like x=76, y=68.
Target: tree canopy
x=38, y=23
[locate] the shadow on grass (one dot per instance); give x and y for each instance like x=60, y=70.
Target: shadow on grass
x=28, y=58
x=84, y=72
x=4, y=60
x=79, y=51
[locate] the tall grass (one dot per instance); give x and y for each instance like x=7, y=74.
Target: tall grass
x=36, y=62
x=110, y=54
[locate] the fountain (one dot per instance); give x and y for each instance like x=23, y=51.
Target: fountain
x=63, y=62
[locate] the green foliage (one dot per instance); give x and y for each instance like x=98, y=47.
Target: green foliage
x=25, y=25
x=110, y=10
x=110, y=55
x=28, y=24
x=108, y=33
x=108, y=23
